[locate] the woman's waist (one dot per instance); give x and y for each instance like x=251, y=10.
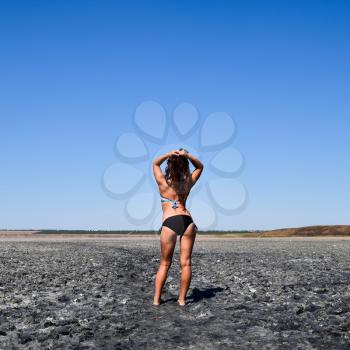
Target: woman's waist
x=171, y=212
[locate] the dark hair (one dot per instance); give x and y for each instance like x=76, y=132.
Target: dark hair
x=177, y=172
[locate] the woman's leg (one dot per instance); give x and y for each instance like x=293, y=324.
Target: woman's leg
x=167, y=244
x=186, y=245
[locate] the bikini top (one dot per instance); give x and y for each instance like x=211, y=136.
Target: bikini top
x=175, y=203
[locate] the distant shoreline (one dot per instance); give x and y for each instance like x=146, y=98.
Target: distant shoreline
x=307, y=231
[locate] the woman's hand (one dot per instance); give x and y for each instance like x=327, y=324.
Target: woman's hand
x=175, y=152
x=183, y=153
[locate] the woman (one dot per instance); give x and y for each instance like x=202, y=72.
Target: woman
x=174, y=188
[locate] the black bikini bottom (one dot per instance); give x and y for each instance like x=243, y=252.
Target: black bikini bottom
x=178, y=223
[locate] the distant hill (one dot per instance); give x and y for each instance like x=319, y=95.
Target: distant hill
x=328, y=230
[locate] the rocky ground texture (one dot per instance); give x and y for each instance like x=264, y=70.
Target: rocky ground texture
x=245, y=294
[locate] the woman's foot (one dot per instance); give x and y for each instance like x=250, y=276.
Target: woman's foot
x=181, y=302
x=157, y=303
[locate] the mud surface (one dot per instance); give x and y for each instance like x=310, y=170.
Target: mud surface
x=245, y=294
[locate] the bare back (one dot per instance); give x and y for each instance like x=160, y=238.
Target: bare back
x=180, y=192
x=168, y=191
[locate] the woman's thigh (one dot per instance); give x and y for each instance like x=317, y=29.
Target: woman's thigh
x=167, y=243
x=186, y=242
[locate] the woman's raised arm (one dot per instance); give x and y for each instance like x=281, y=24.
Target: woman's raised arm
x=157, y=171
x=196, y=173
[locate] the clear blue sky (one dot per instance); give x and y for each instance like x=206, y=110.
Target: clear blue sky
x=73, y=72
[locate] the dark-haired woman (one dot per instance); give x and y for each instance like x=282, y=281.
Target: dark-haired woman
x=174, y=188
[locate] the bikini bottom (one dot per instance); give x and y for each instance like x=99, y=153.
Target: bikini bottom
x=178, y=223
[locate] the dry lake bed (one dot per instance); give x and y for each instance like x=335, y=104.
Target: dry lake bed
x=245, y=294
